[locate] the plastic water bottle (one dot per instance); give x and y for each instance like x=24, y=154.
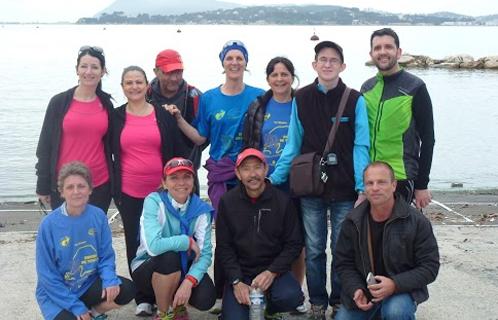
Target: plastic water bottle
x=257, y=308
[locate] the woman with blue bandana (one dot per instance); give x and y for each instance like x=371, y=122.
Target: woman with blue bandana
x=220, y=119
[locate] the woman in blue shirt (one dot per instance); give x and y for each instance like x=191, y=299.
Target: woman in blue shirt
x=75, y=261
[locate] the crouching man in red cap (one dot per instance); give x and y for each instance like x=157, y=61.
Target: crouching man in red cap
x=257, y=238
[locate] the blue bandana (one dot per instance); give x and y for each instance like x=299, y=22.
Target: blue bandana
x=234, y=45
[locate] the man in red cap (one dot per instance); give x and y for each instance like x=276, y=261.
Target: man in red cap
x=257, y=238
x=169, y=87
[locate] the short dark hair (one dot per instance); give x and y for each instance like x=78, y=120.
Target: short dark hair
x=385, y=32
x=133, y=68
x=380, y=164
x=329, y=44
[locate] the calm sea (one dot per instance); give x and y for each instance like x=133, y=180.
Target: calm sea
x=39, y=61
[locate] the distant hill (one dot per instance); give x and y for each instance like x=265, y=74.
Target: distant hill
x=280, y=15
x=132, y=8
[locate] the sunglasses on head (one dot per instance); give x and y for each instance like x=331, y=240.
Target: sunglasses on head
x=95, y=49
x=179, y=163
x=233, y=43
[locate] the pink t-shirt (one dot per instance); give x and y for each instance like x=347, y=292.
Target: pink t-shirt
x=141, y=160
x=83, y=129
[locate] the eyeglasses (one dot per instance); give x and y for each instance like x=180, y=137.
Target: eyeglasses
x=173, y=163
x=95, y=49
x=331, y=61
x=233, y=43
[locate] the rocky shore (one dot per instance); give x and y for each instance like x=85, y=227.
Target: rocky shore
x=460, y=61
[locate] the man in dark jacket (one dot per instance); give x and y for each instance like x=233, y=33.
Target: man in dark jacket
x=388, y=238
x=257, y=238
x=169, y=87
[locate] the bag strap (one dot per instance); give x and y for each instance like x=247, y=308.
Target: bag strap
x=337, y=122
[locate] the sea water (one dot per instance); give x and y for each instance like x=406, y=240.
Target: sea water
x=38, y=61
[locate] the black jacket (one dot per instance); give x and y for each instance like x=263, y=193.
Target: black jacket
x=252, y=134
x=254, y=237
x=47, y=151
x=171, y=142
x=187, y=100
x=411, y=255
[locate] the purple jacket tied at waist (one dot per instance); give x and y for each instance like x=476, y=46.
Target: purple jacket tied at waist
x=219, y=172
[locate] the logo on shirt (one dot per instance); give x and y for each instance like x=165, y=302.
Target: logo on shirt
x=219, y=115
x=267, y=116
x=91, y=232
x=65, y=241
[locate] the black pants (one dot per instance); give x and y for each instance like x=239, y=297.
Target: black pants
x=203, y=295
x=406, y=190
x=93, y=297
x=130, y=209
x=100, y=197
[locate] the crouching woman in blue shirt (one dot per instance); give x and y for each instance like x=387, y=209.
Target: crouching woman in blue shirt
x=175, y=245
x=75, y=261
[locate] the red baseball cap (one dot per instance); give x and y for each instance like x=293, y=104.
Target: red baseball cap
x=169, y=60
x=178, y=164
x=249, y=152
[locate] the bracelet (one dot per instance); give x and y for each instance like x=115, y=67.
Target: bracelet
x=191, y=279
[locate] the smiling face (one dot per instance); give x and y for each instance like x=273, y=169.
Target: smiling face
x=385, y=54
x=234, y=65
x=89, y=71
x=280, y=80
x=76, y=192
x=328, y=65
x=134, y=86
x=179, y=184
x=252, y=172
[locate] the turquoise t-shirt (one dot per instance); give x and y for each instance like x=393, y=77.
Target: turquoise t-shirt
x=275, y=127
x=221, y=118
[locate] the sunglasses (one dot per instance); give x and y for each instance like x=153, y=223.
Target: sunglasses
x=234, y=43
x=179, y=163
x=95, y=49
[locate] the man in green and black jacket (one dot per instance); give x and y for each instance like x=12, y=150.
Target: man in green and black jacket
x=400, y=119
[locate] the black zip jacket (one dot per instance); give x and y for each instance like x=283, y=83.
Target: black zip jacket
x=171, y=142
x=47, y=151
x=254, y=237
x=411, y=255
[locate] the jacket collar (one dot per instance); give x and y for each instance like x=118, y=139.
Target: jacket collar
x=266, y=195
x=400, y=210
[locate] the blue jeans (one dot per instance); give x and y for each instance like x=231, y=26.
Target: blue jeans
x=396, y=307
x=314, y=211
x=284, y=295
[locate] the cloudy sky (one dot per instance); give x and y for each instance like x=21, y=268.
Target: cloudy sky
x=71, y=10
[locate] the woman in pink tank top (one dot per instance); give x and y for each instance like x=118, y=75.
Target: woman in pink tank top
x=143, y=139
x=76, y=128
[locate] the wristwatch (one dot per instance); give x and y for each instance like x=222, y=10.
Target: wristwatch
x=235, y=282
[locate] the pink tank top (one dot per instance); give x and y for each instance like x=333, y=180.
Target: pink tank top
x=83, y=129
x=141, y=160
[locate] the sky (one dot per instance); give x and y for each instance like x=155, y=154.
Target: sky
x=72, y=10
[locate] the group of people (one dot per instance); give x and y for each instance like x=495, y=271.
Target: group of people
x=145, y=155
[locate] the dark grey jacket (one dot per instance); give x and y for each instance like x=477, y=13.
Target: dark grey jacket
x=411, y=255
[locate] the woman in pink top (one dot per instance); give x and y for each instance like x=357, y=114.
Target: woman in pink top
x=76, y=128
x=144, y=138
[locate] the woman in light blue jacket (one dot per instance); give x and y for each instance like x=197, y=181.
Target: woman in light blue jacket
x=175, y=249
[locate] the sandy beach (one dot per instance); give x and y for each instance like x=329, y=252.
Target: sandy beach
x=465, y=224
